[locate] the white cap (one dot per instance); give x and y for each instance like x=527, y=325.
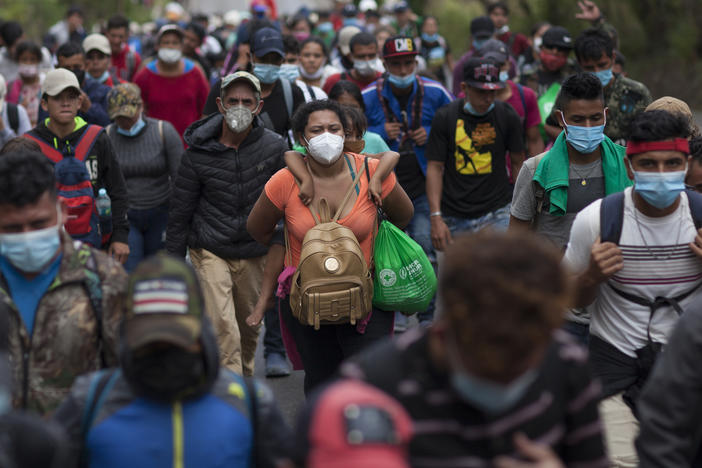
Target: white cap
x=366, y=5
x=57, y=80
x=345, y=35
x=97, y=42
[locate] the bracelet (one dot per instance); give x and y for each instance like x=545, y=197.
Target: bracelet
x=436, y=213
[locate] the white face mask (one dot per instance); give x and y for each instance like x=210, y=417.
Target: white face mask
x=326, y=148
x=169, y=55
x=238, y=118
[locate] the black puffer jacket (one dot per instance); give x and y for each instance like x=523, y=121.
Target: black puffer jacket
x=217, y=187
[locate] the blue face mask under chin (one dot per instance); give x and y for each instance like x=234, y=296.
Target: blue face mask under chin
x=401, y=81
x=584, y=139
x=266, y=72
x=659, y=189
x=605, y=76
x=468, y=107
x=134, y=131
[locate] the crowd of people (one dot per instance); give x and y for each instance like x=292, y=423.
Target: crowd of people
x=168, y=190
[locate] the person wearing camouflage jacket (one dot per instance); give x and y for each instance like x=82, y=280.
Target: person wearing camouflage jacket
x=624, y=97
x=63, y=298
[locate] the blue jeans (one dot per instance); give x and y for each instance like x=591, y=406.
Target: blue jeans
x=498, y=220
x=579, y=331
x=147, y=233
x=419, y=229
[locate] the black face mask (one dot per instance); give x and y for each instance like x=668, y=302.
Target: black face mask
x=80, y=74
x=169, y=374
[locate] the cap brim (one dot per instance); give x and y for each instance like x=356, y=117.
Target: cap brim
x=498, y=57
x=483, y=85
x=400, y=54
x=177, y=329
x=56, y=92
x=268, y=50
x=124, y=111
x=482, y=35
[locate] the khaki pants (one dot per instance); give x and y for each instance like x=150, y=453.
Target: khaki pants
x=231, y=289
x=620, y=430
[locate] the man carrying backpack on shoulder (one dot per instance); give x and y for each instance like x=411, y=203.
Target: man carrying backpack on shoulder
x=84, y=162
x=62, y=298
x=13, y=118
x=169, y=403
x=637, y=255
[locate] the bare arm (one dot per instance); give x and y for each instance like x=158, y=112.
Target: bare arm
x=274, y=265
x=440, y=233
x=398, y=207
x=605, y=260
x=516, y=224
x=388, y=161
x=516, y=160
x=534, y=142
x=296, y=164
x=262, y=220
x=552, y=131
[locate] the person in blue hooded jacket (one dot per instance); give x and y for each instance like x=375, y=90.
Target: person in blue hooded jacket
x=169, y=404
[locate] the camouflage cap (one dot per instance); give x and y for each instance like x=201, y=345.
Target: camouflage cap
x=164, y=303
x=123, y=100
x=240, y=76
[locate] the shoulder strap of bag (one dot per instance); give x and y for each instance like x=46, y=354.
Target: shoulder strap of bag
x=694, y=199
x=13, y=116
x=87, y=141
x=52, y=153
x=351, y=189
x=521, y=96
x=612, y=217
x=253, y=413
x=94, y=289
x=160, y=133
x=100, y=386
x=313, y=97
x=287, y=94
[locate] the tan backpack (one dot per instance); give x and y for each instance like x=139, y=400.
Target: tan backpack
x=332, y=283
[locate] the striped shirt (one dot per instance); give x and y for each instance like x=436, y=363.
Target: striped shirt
x=559, y=409
x=658, y=262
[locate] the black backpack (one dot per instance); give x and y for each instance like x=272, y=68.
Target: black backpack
x=13, y=116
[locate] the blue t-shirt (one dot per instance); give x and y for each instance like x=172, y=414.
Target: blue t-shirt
x=25, y=293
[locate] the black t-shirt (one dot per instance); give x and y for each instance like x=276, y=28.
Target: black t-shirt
x=273, y=105
x=475, y=176
x=408, y=171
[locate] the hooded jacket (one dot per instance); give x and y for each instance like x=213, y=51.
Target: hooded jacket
x=103, y=168
x=216, y=188
x=230, y=422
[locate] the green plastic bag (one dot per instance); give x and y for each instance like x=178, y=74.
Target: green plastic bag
x=404, y=278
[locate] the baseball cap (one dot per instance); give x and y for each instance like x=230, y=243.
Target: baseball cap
x=367, y=5
x=349, y=11
x=481, y=72
x=494, y=49
x=164, y=304
x=240, y=76
x=123, y=100
x=398, y=46
x=267, y=40
x=174, y=28
x=400, y=7
x=482, y=27
x=97, y=42
x=557, y=36
x=345, y=35
x=671, y=104
x=351, y=424
x=57, y=80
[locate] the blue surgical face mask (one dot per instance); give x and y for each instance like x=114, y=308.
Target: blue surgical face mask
x=289, y=71
x=659, y=189
x=584, y=139
x=478, y=43
x=31, y=251
x=605, y=76
x=266, y=72
x=468, y=107
x=430, y=37
x=134, y=131
x=401, y=81
x=504, y=76
x=105, y=75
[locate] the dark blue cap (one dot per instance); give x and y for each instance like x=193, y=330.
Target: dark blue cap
x=267, y=40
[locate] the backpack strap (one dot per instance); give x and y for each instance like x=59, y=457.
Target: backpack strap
x=100, y=385
x=694, y=199
x=351, y=189
x=520, y=88
x=49, y=151
x=612, y=217
x=313, y=97
x=131, y=62
x=13, y=116
x=287, y=94
x=93, y=286
x=160, y=133
x=87, y=141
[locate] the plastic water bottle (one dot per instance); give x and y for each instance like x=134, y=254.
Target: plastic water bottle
x=104, y=208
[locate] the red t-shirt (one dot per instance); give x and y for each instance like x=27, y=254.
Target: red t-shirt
x=519, y=45
x=336, y=77
x=176, y=99
x=530, y=116
x=120, y=63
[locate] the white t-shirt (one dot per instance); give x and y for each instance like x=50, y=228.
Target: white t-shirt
x=663, y=265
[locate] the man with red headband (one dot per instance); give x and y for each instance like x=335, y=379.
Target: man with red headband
x=638, y=259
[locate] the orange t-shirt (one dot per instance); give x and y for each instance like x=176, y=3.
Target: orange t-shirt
x=283, y=192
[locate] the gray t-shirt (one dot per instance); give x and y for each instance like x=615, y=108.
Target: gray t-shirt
x=586, y=184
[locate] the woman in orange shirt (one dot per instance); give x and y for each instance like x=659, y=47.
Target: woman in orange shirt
x=332, y=172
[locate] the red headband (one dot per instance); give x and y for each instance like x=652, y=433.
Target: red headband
x=637, y=147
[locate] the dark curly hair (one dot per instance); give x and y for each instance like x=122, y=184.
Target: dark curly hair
x=504, y=295
x=585, y=86
x=24, y=177
x=592, y=43
x=655, y=125
x=302, y=115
